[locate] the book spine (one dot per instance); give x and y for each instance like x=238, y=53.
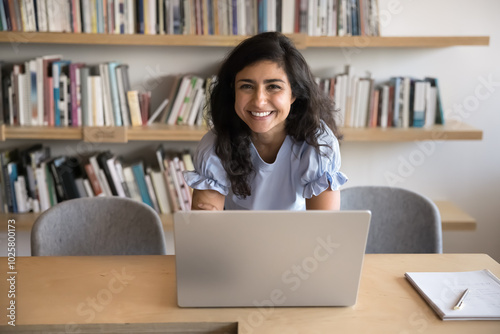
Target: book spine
x=141, y=183
x=114, y=94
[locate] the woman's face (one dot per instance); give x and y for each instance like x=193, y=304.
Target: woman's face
x=263, y=97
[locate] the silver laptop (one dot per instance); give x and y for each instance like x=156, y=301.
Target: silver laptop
x=269, y=258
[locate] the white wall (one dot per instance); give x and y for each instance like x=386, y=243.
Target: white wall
x=465, y=172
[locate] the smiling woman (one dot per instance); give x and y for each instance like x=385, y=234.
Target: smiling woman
x=263, y=97
x=273, y=145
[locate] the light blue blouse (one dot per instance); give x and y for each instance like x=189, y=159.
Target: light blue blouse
x=299, y=172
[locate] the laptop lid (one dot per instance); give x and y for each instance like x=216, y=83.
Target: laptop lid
x=269, y=258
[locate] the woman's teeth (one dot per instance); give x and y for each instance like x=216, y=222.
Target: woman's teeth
x=261, y=114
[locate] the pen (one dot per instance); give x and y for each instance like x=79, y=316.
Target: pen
x=460, y=303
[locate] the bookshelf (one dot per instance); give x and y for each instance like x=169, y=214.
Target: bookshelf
x=397, y=41
x=453, y=218
x=302, y=41
x=163, y=132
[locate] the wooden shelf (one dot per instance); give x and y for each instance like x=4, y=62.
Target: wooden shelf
x=164, y=132
x=43, y=132
x=449, y=131
x=454, y=218
x=396, y=42
x=301, y=41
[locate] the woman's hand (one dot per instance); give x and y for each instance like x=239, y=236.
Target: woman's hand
x=210, y=200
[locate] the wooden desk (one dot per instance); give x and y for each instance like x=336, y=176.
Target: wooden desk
x=141, y=289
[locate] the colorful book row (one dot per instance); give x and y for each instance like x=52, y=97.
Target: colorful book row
x=33, y=181
x=50, y=91
x=200, y=17
x=399, y=102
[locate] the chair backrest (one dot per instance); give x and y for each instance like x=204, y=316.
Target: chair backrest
x=98, y=226
x=402, y=221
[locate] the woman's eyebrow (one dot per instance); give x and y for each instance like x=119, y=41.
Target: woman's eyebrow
x=265, y=81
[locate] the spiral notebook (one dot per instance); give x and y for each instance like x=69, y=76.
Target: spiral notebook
x=444, y=290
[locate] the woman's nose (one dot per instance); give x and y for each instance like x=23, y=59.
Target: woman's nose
x=260, y=97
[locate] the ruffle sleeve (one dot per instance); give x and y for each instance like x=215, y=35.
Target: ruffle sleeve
x=208, y=173
x=322, y=170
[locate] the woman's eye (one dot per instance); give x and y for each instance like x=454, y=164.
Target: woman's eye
x=274, y=87
x=246, y=86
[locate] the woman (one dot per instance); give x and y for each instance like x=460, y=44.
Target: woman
x=273, y=144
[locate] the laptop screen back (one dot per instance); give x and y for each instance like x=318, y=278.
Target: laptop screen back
x=278, y=258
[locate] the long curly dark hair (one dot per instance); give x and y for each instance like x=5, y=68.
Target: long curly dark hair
x=311, y=105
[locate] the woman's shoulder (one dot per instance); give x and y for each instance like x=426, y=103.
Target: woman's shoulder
x=326, y=136
x=207, y=143
x=326, y=140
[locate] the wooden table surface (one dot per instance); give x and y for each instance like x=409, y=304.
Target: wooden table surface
x=78, y=291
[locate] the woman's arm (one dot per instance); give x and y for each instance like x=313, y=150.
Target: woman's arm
x=327, y=200
x=207, y=200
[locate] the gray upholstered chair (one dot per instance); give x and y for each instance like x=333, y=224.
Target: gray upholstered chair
x=98, y=226
x=402, y=221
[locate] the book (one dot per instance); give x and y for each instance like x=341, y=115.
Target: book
x=84, y=98
x=43, y=190
x=102, y=160
x=59, y=67
x=114, y=93
x=135, y=109
x=121, y=177
x=419, y=104
x=139, y=175
x=397, y=113
x=181, y=93
x=176, y=80
x=160, y=188
x=76, y=94
x=144, y=102
x=21, y=195
x=132, y=186
x=93, y=180
x=123, y=86
x=109, y=114
x=68, y=170
x=157, y=112
x=439, y=116
x=95, y=101
x=6, y=157
x=443, y=290
x=12, y=176
x=151, y=191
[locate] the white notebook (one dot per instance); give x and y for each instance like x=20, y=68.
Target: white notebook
x=443, y=290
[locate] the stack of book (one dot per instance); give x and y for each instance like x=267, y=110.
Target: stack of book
x=399, y=102
x=32, y=180
x=200, y=17
x=50, y=91
x=189, y=96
